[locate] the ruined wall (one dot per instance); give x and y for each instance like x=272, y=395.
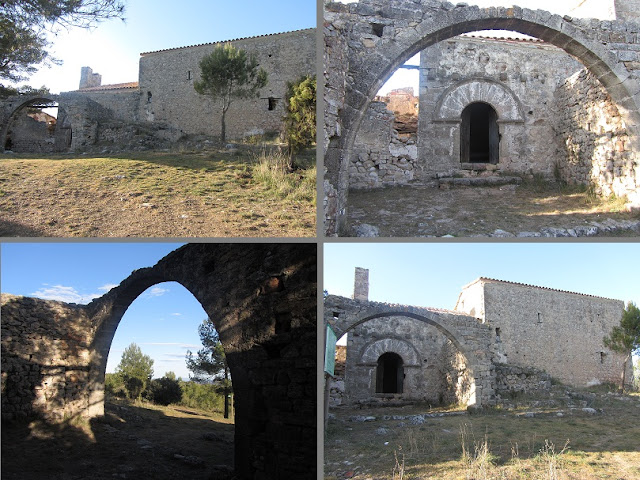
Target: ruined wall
x=262, y=300
x=512, y=380
x=26, y=134
x=555, y=331
x=167, y=93
x=45, y=358
x=597, y=147
x=380, y=156
x=122, y=103
x=528, y=71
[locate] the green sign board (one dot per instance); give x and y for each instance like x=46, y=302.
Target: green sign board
x=330, y=351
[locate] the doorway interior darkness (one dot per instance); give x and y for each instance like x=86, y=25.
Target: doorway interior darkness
x=479, y=136
x=389, y=374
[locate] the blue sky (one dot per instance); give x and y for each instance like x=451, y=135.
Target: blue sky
x=113, y=48
x=163, y=321
x=432, y=274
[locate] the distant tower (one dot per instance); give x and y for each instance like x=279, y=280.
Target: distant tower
x=361, y=284
x=89, y=79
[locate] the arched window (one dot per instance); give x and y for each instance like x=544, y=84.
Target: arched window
x=479, y=136
x=389, y=374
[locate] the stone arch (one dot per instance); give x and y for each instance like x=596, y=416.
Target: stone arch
x=471, y=338
x=12, y=107
x=262, y=299
x=453, y=100
x=379, y=37
x=404, y=349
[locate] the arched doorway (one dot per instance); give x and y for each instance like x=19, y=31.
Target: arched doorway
x=389, y=373
x=37, y=125
x=479, y=135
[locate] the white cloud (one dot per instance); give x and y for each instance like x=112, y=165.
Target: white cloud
x=64, y=294
x=107, y=286
x=155, y=292
x=176, y=314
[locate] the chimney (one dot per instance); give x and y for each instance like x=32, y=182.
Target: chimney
x=361, y=284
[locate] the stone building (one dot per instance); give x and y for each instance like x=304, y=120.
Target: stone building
x=162, y=105
x=561, y=103
x=501, y=337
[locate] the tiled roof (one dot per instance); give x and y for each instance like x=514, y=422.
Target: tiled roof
x=534, y=286
x=503, y=39
x=114, y=86
x=225, y=41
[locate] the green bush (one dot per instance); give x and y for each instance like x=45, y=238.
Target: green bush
x=202, y=396
x=164, y=391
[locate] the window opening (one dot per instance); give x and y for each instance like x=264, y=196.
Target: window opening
x=272, y=103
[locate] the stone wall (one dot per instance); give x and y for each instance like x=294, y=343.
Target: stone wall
x=597, y=148
x=551, y=330
x=517, y=78
x=512, y=380
x=381, y=157
x=419, y=345
x=45, y=358
x=28, y=134
x=372, y=38
x=262, y=300
x=167, y=95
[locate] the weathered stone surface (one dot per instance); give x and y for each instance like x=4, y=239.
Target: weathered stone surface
x=518, y=81
x=54, y=354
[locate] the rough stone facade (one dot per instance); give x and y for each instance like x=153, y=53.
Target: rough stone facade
x=555, y=331
x=262, y=300
x=597, y=147
x=368, y=40
x=502, y=339
x=163, y=104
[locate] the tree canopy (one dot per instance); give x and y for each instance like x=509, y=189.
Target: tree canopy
x=210, y=363
x=25, y=23
x=300, y=119
x=228, y=73
x=136, y=369
x=625, y=338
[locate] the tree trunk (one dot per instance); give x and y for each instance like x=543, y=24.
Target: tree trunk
x=226, y=388
x=223, y=129
x=623, y=378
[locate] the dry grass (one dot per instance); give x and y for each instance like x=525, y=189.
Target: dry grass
x=203, y=194
x=495, y=445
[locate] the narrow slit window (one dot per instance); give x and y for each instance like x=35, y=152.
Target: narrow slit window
x=272, y=103
x=188, y=74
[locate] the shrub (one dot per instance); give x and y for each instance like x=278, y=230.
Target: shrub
x=164, y=391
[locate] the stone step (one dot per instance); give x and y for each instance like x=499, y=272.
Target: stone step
x=480, y=181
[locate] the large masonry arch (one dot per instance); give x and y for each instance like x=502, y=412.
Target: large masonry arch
x=262, y=300
x=365, y=42
x=470, y=337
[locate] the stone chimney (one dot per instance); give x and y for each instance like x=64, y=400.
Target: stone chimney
x=89, y=79
x=361, y=284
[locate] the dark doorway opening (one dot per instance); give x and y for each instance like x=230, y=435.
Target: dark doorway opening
x=479, y=135
x=389, y=374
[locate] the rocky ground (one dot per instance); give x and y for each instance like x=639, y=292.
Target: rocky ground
x=504, y=211
x=584, y=435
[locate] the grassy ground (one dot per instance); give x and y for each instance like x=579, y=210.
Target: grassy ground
x=496, y=445
x=409, y=211
x=153, y=194
x=131, y=441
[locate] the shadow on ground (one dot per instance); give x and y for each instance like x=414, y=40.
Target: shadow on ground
x=128, y=442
